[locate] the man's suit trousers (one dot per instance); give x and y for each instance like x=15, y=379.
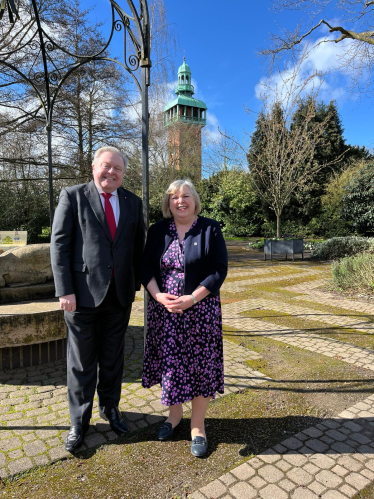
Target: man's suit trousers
x=95, y=356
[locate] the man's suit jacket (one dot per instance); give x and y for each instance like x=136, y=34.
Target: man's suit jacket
x=83, y=253
x=205, y=255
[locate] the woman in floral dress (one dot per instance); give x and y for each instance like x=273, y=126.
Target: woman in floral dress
x=184, y=266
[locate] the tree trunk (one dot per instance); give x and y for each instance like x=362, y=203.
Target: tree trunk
x=278, y=224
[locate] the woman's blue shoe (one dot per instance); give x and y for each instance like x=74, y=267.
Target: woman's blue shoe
x=166, y=431
x=199, y=446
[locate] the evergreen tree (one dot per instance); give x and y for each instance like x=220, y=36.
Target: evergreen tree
x=281, y=155
x=306, y=203
x=358, y=201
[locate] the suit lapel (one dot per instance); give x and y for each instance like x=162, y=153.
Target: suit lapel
x=93, y=198
x=123, y=211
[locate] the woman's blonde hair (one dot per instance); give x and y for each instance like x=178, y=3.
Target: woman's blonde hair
x=172, y=189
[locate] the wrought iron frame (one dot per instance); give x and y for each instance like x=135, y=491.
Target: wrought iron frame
x=47, y=84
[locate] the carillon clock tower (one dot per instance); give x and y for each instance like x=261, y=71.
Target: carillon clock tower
x=185, y=117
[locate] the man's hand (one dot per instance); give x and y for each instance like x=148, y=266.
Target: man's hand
x=68, y=303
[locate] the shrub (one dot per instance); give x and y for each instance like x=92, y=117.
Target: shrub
x=358, y=200
x=339, y=247
x=329, y=225
x=311, y=244
x=330, y=221
x=235, y=204
x=268, y=229
x=354, y=272
x=258, y=245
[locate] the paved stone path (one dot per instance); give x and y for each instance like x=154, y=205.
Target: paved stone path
x=34, y=410
x=329, y=299
x=359, y=323
x=361, y=357
x=238, y=286
x=332, y=460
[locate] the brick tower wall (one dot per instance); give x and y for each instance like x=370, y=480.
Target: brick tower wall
x=184, y=148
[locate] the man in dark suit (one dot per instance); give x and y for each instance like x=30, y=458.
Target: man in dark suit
x=96, y=247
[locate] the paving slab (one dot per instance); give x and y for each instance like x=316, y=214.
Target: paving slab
x=35, y=415
x=238, y=286
x=333, y=459
x=346, y=352
x=316, y=469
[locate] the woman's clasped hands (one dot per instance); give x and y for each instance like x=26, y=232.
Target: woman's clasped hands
x=174, y=304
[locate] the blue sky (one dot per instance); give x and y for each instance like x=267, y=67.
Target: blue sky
x=223, y=60
x=220, y=40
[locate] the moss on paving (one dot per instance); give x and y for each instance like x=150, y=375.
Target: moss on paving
x=270, y=287
x=225, y=301
x=366, y=493
x=330, y=309
x=307, y=388
x=291, y=321
x=318, y=380
x=260, y=274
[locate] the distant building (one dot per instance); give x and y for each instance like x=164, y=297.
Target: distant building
x=185, y=117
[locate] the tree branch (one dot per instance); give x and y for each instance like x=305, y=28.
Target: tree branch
x=363, y=36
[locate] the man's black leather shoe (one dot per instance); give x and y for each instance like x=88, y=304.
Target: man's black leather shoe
x=116, y=420
x=199, y=446
x=75, y=437
x=166, y=431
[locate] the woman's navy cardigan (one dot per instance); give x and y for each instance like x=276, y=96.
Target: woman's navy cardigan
x=205, y=255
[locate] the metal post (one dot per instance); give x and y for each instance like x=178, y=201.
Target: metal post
x=145, y=168
x=50, y=174
x=47, y=81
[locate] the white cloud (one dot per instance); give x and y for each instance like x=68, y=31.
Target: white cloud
x=213, y=127
x=323, y=60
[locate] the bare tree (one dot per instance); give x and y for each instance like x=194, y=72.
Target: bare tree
x=355, y=31
x=281, y=154
x=223, y=154
x=96, y=105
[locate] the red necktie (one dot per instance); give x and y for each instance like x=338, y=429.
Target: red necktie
x=109, y=214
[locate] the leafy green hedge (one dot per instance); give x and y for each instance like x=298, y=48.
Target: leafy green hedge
x=340, y=247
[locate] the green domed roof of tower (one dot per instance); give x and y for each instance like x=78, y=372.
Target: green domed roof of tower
x=185, y=90
x=184, y=68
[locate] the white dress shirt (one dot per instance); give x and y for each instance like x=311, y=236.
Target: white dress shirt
x=114, y=201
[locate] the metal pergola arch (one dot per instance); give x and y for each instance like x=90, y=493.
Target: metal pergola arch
x=47, y=83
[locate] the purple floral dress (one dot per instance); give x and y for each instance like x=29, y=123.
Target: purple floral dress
x=183, y=351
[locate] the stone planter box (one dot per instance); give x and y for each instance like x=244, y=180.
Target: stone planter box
x=32, y=333
x=283, y=247
x=32, y=325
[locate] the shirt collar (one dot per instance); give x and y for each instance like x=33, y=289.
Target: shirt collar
x=100, y=191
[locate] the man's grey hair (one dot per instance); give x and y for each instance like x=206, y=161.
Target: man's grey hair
x=100, y=151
